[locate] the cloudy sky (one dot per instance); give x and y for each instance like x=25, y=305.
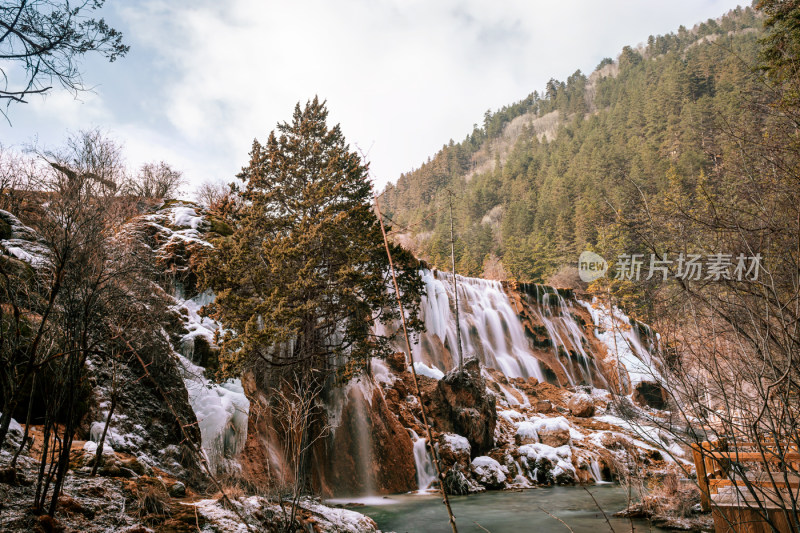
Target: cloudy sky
x=204, y=78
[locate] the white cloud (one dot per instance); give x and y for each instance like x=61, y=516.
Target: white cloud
x=402, y=77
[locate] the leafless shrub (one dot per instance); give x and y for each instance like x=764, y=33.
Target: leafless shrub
x=212, y=194
x=16, y=171
x=493, y=268
x=156, y=180
x=295, y=411
x=233, y=491
x=566, y=277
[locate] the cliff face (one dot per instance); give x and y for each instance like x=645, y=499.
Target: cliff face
x=369, y=452
x=146, y=423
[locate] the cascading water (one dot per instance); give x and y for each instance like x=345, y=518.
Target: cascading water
x=566, y=336
x=349, y=415
x=363, y=441
x=594, y=468
x=490, y=327
x=636, y=363
x=492, y=330
x=426, y=473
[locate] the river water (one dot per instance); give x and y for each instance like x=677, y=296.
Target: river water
x=506, y=511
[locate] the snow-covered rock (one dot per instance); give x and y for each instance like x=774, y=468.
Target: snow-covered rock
x=526, y=433
x=456, y=442
x=256, y=509
x=548, y=464
x=553, y=431
x=581, y=405
x=511, y=416
x=454, y=449
x=489, y=472
x=90, y=448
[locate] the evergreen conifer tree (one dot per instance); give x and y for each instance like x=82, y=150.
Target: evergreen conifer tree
x=302, y=280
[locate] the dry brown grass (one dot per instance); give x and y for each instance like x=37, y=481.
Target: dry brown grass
x=152, y=503
x=233, y=492
x=669, y=497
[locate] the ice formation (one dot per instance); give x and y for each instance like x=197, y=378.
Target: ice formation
x=222, y=413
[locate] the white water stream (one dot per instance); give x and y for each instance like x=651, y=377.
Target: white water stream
x=491, y=329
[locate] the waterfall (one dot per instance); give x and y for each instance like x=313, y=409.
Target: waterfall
x=358, y=393
x=594, y=468
x=566, y=336
x=490, y=327
x=492, y=330
x=426, y=473
x=636, y=362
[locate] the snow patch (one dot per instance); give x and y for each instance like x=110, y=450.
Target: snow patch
x=185, y=217
x=424, y=370
x=511, y=416
x=560, y=458
x=526, y=431
x=222, y=412
x=551, y=424
x=457, y=442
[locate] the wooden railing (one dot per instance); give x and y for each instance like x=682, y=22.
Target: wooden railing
x=750, y=485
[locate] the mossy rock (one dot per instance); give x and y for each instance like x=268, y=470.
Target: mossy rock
x=17, y=268
x=5, y=230
x=219, y=226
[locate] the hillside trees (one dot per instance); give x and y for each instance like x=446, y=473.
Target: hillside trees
x=156, y=180
x=658, y=108
x=731, y=345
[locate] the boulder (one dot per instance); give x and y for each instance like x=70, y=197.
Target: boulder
x=456, y=482
x=553, y=431
x=581, y=405
x=526, y=434
x=454, y=449
x=461, y=405
x=612, y=441
x=489, y=472
x=548, y=465
x=543, y=406
x=177, y=490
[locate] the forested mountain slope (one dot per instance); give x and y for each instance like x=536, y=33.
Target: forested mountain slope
x=552, y=175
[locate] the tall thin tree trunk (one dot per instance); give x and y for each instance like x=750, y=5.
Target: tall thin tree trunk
x=455, y=289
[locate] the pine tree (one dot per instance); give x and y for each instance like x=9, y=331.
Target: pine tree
x=302, y=280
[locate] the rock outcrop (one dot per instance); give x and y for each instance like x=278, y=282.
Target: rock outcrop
x=461, y=405
x=581, y=405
